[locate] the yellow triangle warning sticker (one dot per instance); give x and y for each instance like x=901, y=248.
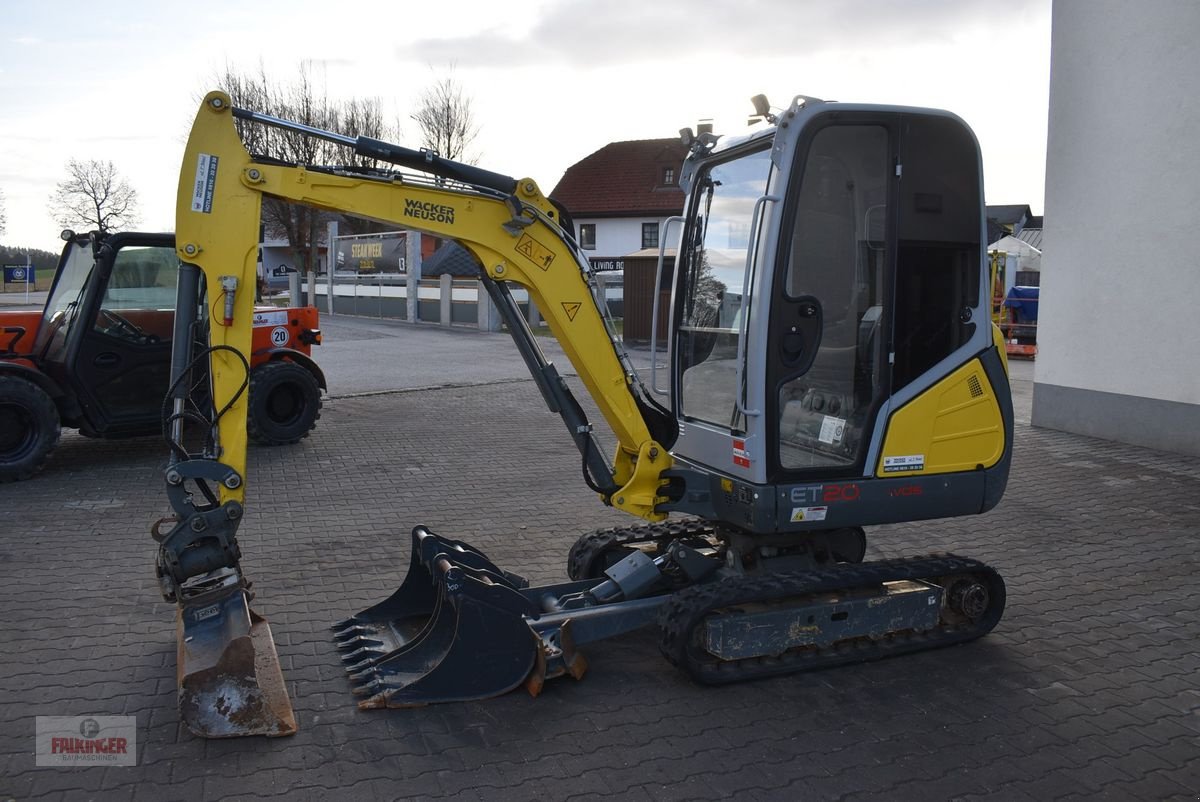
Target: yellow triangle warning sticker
x=572, y=309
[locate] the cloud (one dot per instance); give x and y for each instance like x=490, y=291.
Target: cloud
x=587, y=33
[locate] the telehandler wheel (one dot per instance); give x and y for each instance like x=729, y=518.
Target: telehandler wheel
x=285, y=403
x=29, y=428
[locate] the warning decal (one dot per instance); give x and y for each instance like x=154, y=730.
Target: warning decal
x=535, y=251
x=572, y=309
x=809, y=514
x=741, y=457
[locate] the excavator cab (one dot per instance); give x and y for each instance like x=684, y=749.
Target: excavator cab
x=830, y=325
x=832, y=366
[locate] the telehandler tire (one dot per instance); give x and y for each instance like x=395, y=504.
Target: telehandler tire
x=29, y=428
x=285, y=403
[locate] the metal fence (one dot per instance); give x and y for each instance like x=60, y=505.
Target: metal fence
x=446, y=301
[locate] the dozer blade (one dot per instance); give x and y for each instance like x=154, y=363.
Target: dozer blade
x=230, y=682
x=454, y=631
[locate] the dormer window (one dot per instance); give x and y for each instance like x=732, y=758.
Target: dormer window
x=668, y=176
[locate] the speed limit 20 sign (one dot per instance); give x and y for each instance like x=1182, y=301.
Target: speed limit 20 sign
x=279, y=335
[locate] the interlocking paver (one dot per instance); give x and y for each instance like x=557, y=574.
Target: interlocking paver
x=1087, y=688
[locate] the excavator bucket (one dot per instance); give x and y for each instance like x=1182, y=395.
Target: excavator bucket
x=455, y=630
x=230, y=682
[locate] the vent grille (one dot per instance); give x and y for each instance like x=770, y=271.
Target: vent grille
x=975, y=387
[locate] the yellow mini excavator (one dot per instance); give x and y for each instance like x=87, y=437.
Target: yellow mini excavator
x=832, y=365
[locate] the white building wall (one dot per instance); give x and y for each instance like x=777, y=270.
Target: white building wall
x=617, y=237
x=1118, y=342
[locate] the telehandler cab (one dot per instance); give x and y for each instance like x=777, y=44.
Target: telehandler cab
x=97, y=357
x=832, y=365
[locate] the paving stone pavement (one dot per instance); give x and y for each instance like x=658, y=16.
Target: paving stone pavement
x=1087, y=689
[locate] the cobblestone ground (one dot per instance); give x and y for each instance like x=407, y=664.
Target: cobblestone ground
x=1088, y=688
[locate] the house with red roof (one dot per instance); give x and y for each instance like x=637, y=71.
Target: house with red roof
x=620, y=196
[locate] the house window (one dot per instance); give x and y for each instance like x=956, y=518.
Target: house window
x=649, y=235
x=587, y=236
x=668, y=176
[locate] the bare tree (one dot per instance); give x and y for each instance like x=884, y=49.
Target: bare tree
x=446, y=121
x=299, y=100
x=3, y=218
x=94, y=196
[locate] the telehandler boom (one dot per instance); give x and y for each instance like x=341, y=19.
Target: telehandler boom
x=832, y=365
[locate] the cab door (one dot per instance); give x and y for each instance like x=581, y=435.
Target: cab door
x=120, y=359
x=826, y=375
x=877, y=284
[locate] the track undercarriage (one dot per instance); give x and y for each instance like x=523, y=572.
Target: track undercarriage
x=730, y=607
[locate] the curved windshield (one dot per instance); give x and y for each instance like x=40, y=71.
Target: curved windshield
x=63, y=302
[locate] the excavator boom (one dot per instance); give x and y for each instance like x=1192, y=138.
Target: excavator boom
x=227, y=656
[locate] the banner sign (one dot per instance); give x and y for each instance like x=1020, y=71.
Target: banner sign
x=371, y=255
x=18, y=274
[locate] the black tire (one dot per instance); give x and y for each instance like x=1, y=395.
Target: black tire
x=29, y=428
x=285, y=403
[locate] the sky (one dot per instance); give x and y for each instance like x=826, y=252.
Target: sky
x=551, y=81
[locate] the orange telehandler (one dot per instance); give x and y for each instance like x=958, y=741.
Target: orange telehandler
x=97, y=357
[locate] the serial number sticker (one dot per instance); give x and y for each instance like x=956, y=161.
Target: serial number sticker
x=535, y=251
x=912, y=462
x=809, y=514
x=206, y=183
x=832, y=429
x=270, y=319
x=207, y=612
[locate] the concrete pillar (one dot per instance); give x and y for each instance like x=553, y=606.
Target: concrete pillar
x=412, y=259
x=487, y=316
x=601, y=290
x=312, y=288
x=294, y=295
x=331, y=264
x=535, y=317
x=446, y=297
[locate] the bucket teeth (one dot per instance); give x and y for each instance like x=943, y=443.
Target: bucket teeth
x=339, y=626
x=362, y=676
x=357, y=656
x=359, y=642
x=350, y=632
x=361, y=666
x=368, y=688
x=376, y=702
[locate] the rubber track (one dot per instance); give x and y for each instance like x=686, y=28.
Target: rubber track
x=684, y=614
x=591, y=545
